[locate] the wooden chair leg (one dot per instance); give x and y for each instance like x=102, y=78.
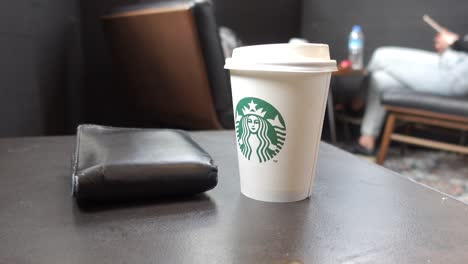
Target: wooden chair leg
x=386, y=138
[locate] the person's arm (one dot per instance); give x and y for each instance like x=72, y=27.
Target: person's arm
x=444, y=40
x=460, y=44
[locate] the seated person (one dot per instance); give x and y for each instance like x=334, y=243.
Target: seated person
x=399, y=69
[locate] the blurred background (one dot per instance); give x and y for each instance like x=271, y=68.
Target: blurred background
x=54, y=53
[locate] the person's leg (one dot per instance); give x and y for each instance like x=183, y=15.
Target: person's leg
x=405, y=69
x=374, y=115
x=419, y=70
x=391, y=68
x=390, y=57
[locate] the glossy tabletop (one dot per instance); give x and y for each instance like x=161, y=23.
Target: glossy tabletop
x=358, y=213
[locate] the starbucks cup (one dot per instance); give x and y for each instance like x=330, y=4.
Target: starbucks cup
x=279, y=94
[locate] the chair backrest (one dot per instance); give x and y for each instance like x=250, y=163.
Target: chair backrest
x=170, y=57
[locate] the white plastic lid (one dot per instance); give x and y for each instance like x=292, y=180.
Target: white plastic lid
x=288, y=57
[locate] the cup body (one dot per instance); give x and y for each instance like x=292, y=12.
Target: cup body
x=278, y=120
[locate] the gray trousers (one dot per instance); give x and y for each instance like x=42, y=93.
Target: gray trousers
x=404, y=69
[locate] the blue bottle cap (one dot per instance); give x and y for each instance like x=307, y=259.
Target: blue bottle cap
x=356, y=28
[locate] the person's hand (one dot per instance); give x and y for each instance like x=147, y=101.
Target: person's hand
x=444, y=40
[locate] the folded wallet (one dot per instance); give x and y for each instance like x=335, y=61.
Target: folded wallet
x=126, y=163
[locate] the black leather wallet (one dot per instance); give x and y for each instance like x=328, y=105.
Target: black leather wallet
x=126, y=163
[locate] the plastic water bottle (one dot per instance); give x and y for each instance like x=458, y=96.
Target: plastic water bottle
x=356, y=47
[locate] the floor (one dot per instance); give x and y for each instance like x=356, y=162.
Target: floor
x=444, y=171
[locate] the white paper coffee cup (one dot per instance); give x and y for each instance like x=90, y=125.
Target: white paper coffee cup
x=279, y=94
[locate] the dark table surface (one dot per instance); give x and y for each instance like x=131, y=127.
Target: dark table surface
x=358, y=213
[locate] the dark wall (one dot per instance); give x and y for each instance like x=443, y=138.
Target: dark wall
x=261, y=21
x=40, y=65
x=99, y=101
x=396, y=23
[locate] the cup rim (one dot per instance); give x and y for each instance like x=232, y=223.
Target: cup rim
x=283, y=66
x=287, y=57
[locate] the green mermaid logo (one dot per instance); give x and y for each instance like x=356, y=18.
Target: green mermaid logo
x=260, y=129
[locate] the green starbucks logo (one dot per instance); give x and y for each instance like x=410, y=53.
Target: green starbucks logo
x=260, y=129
